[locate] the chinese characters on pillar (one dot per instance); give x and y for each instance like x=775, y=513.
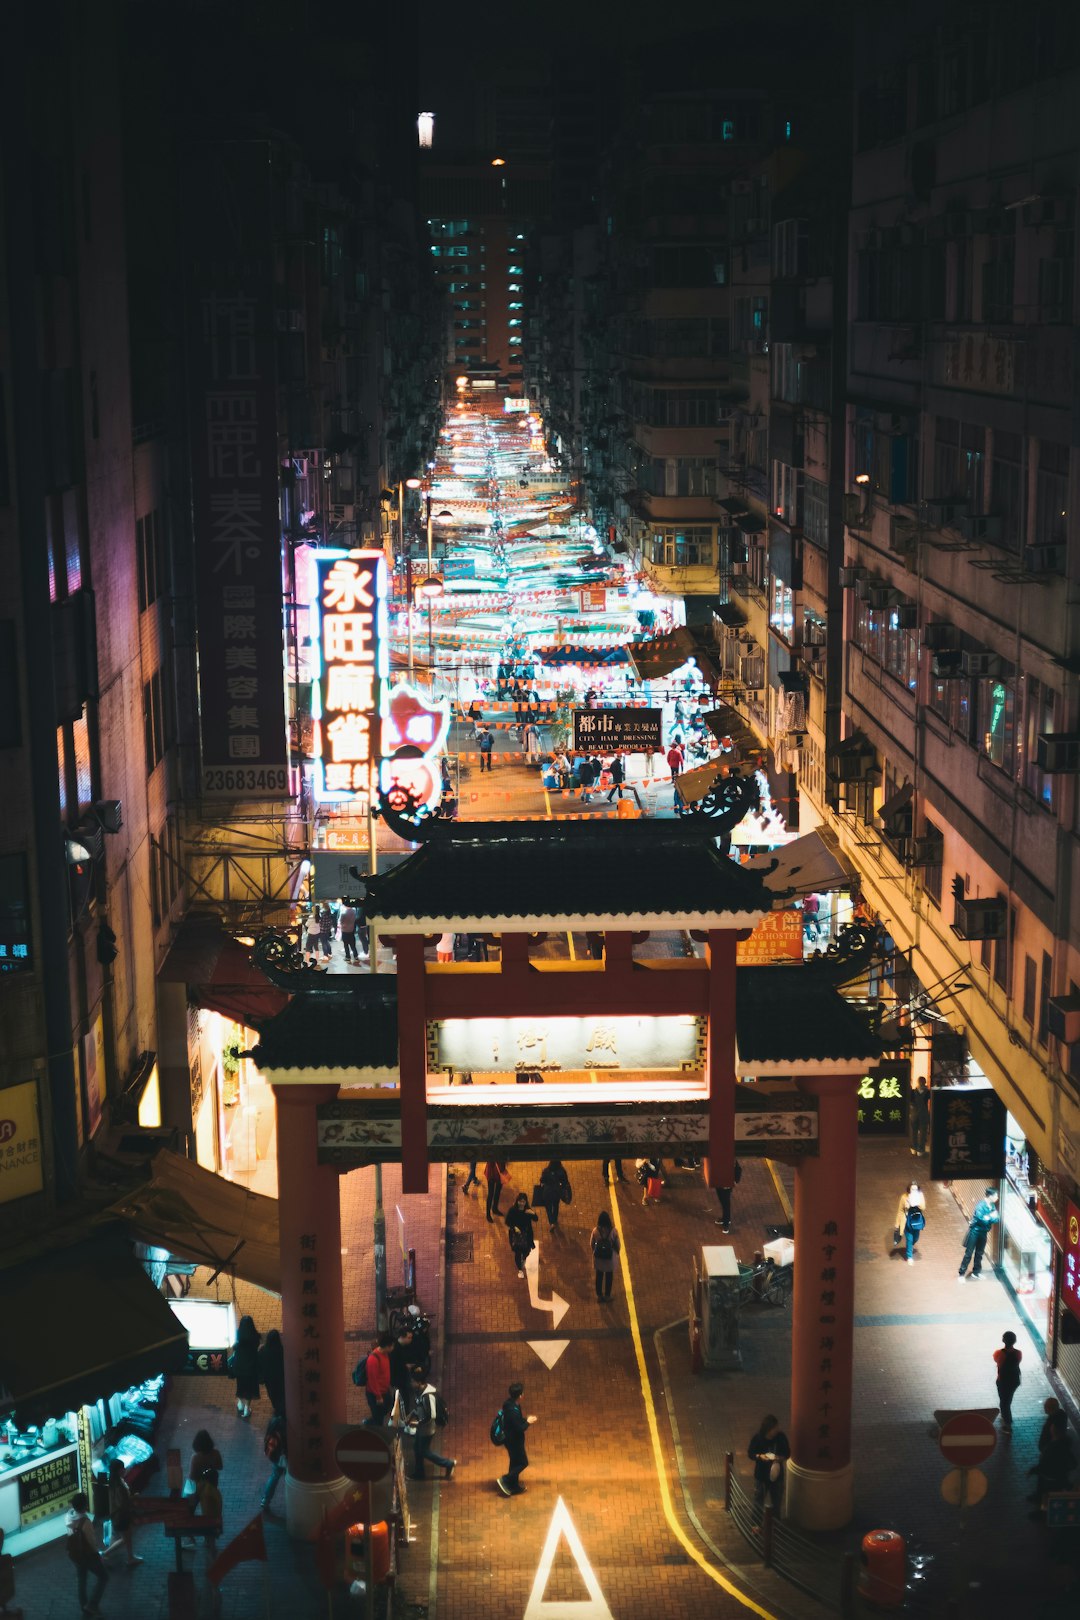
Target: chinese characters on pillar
x=234, y=471
x=825, y=1262
x=352, y=647
x=310, y=1354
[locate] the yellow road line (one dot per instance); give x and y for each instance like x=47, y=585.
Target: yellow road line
x=675, y=1527
x=781, y=1192
x=570, y=942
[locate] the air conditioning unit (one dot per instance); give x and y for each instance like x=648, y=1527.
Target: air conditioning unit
x=927, y=850
x=1058, y=753
x=945, y=510
x=752, y=674
x=813, y=655
x=879, y=596
x=907, y=615
x=946, y=666
x=980, y=526
x=850, y=576
x=979, y=664
x=1063, y=1018
x=903, y=536
x=863, y=586
x=939, y=637
x=856, y=514
x=980, y=919
x=1043, y=559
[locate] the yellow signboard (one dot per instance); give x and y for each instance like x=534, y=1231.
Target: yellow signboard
x=20, y=1143
x=777, y=937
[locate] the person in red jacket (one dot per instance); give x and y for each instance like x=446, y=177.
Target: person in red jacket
x=378, y=1389
x=495, y=1175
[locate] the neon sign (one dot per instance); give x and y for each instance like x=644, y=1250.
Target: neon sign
x=353, y=643
x=411, y=722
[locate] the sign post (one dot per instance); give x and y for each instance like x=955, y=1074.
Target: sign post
x=966, y=1440
x=364, y=1457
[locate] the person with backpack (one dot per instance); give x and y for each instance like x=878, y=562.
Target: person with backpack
x=373, y=1373
x=487, y=744
x=121, y=1515
x=910, y=1219
x=554, y=1190
x=429, y=1412
x=520, y=1221
x=984, y=1218
x=604, y=1241
x=275, y=1441
x=85, y=1554
x=509, y=1429
x=1007, y=1360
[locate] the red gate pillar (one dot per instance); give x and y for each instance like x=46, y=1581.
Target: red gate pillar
x=820, y=1476
x=412, y=1062
x=313, y=1326
x=720, y=1056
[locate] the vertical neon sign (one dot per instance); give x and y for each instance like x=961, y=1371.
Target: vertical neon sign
x=353, y=646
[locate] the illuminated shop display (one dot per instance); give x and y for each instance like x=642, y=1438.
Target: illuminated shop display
x=353, y=646
x=553, y=1044
x=412, y=722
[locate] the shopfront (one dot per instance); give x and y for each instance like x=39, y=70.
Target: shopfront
x=1027, y=1248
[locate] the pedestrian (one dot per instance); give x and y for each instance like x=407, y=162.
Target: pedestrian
x=1050, y=1406
x=496, y=1174
x=514, y=1427
x=1007, y=1360
x=531, y=739
x=910, y=1219
x=919, y=1117
x=378, y=1382
x=311, y=936
x=604, y=1241
x=121, y=1515
x=270, y=1365
x=676, y=759
x=275, y=1441
x=403, y=1358
x=326, y=931
x=204, y=1455
x=555, y=1190
x=618, y=776
x=444, y=950
x=769, y=1451
x=1057, y=1459
x=347, y=925
x=650, y=1180
x=586, y=775
x=85, y=1554
x=562, y=768
x=616, y=1162
x=472, y=1179
x=520, y=1221
x=208, y=1504
x=986, y=1216
x=487, y=743
x=244, y=1366
x=724, y=1196
x=423, y=1421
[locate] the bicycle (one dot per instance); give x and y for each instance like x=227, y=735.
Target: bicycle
x=765, y=1284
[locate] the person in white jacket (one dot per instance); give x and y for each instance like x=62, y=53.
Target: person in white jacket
x=910, y=1219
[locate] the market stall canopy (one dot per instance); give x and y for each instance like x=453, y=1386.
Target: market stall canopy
x=219, y=973
x=812, y=864
x=199, y=1216
x=724, y=721
x=661, y=655
x=693, y=785
x=78, y=1324
x=587, y=657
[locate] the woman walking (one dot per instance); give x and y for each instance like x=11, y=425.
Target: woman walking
x=311, y=937
x=327, y=930
x=910, y=1219
x=604, y=1241
x=496, y=1175
x=555, y=1190
x=244, y=1366
x=270, y=1364
x=520, y=1222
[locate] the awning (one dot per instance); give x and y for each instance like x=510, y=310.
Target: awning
x=219, y=973
x=693, y=785
x=732, y=505
x=896, y=803
x=724, y=721
x=808, y=865
x=659, y=657
x=200, y=1216
x=730, y=615
x=80, y=1323
x=749, y=523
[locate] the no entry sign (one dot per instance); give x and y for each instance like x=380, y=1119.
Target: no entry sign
x=363, y=1456
x=967, y=1440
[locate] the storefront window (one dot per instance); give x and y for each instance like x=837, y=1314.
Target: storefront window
x=1027, y=1251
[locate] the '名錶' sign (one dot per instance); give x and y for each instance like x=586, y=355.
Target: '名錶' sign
x=352, y=644
x=495, y=1045
x=883, y=1099
x=630, y=731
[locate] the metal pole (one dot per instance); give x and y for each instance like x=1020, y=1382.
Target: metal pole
x=430, y=571
x=369, y=1559
x=373, y=859
x=409, y=594
x=381, y=1318
x=401, y=515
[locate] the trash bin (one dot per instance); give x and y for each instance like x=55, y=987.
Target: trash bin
x=380, y=1550
x=884, y=1568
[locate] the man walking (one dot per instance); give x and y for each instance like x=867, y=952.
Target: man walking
x=514, y=1427
x=618, y=776
x=487, y=743
x=423, y=1422
x=85, y=1554
x=1008, y=1360
x=618, y=1169
x=985, y=1217
x=378, y=1383
x=347, y=924
x=920, y=1117
x=496, y=1175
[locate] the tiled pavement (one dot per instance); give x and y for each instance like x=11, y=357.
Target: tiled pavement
x=922, y=1342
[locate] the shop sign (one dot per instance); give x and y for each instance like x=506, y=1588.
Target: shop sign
x=967, y=1134
x=46, y=1489
x=458, y=568
x=776, y=938
x=21, y=1171
x=232, y=377
x=94, y=1069
x=486, y=1045
x=14, y=916
x=418, y=728
x=1050, y=1200
x=593, y=598
x=631, y=731
x=330, y=874
x=1070, y=1265
x=352, y=642
x=884, y=1092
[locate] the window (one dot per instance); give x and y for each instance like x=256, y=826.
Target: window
x=153, y=722
x=1055, y=281
x=782, y=611
x=149, y=559
x=10, y=718
x=816, y=511
x=750, y=325
x=878, y=633
x=1003, y=953
x=680, y=548
x=59, y=443
x=959, y=450
x=1030, y=981
x=997, y=278
x=786, y=493
x=1051, y=494
x=996, y=709
x=789, y=247
x=689, y=264
x=673, y=476
x=1041, y=716
x=1046, y=979
x=80, y=753
x=1006, y=486
x=932, y=872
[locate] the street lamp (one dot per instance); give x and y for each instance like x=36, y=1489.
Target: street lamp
x=428, y=589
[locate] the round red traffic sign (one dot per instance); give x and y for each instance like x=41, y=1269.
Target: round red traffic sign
x=363, y=1456
x=967, y=1439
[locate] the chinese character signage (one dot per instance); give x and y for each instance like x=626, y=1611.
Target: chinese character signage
x=633, y=731
x=411, y=723
x=20, y=1142
x=232, y=394
x=1070, y=1260
x=486, y=1045
x=14, y=915
x=967, y=1134
x=353, y=648
x=883, y=1099
x=776, y=938
x=979, y=361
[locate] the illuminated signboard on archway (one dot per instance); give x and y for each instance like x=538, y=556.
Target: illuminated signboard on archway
x=353, y=643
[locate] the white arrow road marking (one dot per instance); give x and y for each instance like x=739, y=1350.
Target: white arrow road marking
x=594, y=1607
x=556, y=1304
x=549, y=1350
